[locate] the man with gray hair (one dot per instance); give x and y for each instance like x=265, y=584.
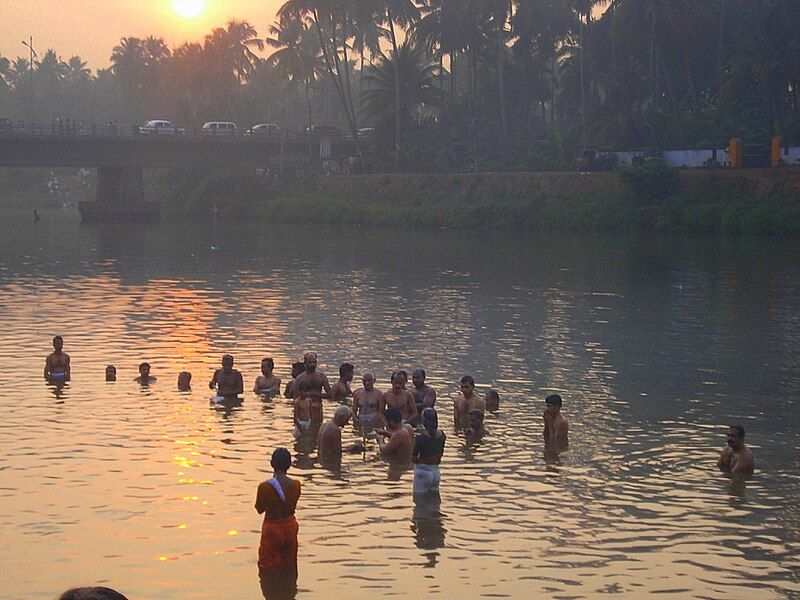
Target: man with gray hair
x=368, y=404
x=330, y=435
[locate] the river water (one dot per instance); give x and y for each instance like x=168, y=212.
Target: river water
x=656, y=344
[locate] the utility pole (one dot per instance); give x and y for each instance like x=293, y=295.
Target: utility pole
x=29, y=45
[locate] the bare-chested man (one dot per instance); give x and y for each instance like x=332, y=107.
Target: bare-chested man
x=396, y=441
x=424, y=395
x=400, y=398
x=468, y=401
x=556, y=427
x=330, y=435
x=318, y=382
x=267, y=383
x=368, y=404
x=227, y=380
x=144, y=378
x=341, y=389
x=56, y=365
x=736, y=457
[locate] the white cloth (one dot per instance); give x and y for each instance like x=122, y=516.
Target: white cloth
x=426, y=478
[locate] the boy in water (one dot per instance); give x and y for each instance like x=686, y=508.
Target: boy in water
x=302, y=410
x=56, y=365
x=297, y=369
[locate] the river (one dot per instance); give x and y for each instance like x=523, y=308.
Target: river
x=655, y=344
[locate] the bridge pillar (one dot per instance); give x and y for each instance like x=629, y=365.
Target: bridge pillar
x=120, y=196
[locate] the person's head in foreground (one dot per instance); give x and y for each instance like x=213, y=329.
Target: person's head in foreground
x=342, y=415
x=430, y=421
x=281, y=460
x=304, y=389
x=394, y=418
x=91, y=593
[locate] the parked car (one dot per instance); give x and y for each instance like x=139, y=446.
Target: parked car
x=219, y=128
x=366, y=133
x=160, y=127
x=319, y=131
x=264, y=129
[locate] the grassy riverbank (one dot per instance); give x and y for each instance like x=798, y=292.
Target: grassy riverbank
x=762, y=202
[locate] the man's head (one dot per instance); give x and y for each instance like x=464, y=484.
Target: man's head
x=111, y=373
x=467, y=385
x=397, y=381
x=342, y=415
x=491, y=397
x=297, y=368
x=310, y=362
x=227, y=362
x=404, y=375
x=394, y=419
x=304, y=389
x=346, y=371
x=58, y=343
x=91, y=593
x=184, y=380
x=553, y=404
x=418, y=377
x=267, y=366
x=281, y=460
x=736, y=437
x=368, y=379
x=144, y=370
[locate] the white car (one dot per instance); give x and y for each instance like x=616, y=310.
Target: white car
x=219, y=128
x=264, y=129
x=160, y=127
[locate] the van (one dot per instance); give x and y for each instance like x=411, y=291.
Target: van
x=219, y=128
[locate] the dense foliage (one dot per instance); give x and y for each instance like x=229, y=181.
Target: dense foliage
x=457, y=84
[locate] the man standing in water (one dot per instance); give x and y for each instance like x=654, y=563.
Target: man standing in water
x=368, y=404
x=56, y=365
x=144, y=378
x=318, y=382
x=556, y=427
x=400, y=398
x=267, y=383
x=424, y=395
x=468, y=402
x=277, y=500
x=227, y=380
x=341, y=389
x=736, y=457
x=330, y=436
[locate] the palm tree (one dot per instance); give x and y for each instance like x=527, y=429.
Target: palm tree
x=77, y=71
x=297, y=53
x=416, y=82
x=128, y=63
x=233, y=47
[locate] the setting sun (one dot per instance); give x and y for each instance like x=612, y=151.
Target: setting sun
x=189, y=9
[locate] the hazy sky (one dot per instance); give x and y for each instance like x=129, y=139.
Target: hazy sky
x=91, y=28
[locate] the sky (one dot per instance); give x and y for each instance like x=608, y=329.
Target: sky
x=91, y=28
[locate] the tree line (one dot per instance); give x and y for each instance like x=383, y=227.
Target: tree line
x=457, y=84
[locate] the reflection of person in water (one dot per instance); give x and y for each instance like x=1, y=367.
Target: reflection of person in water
x=427, y=525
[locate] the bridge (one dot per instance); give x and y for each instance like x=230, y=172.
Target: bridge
x=121, y=158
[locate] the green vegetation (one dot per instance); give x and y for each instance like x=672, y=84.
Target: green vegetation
x=520, y=201
x=511, y=85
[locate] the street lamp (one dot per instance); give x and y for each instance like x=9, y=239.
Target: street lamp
x=29, y=45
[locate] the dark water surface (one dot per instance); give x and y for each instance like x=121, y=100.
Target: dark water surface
x=655, y=343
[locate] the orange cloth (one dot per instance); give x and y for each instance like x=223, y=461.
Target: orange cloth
x=278, y=546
